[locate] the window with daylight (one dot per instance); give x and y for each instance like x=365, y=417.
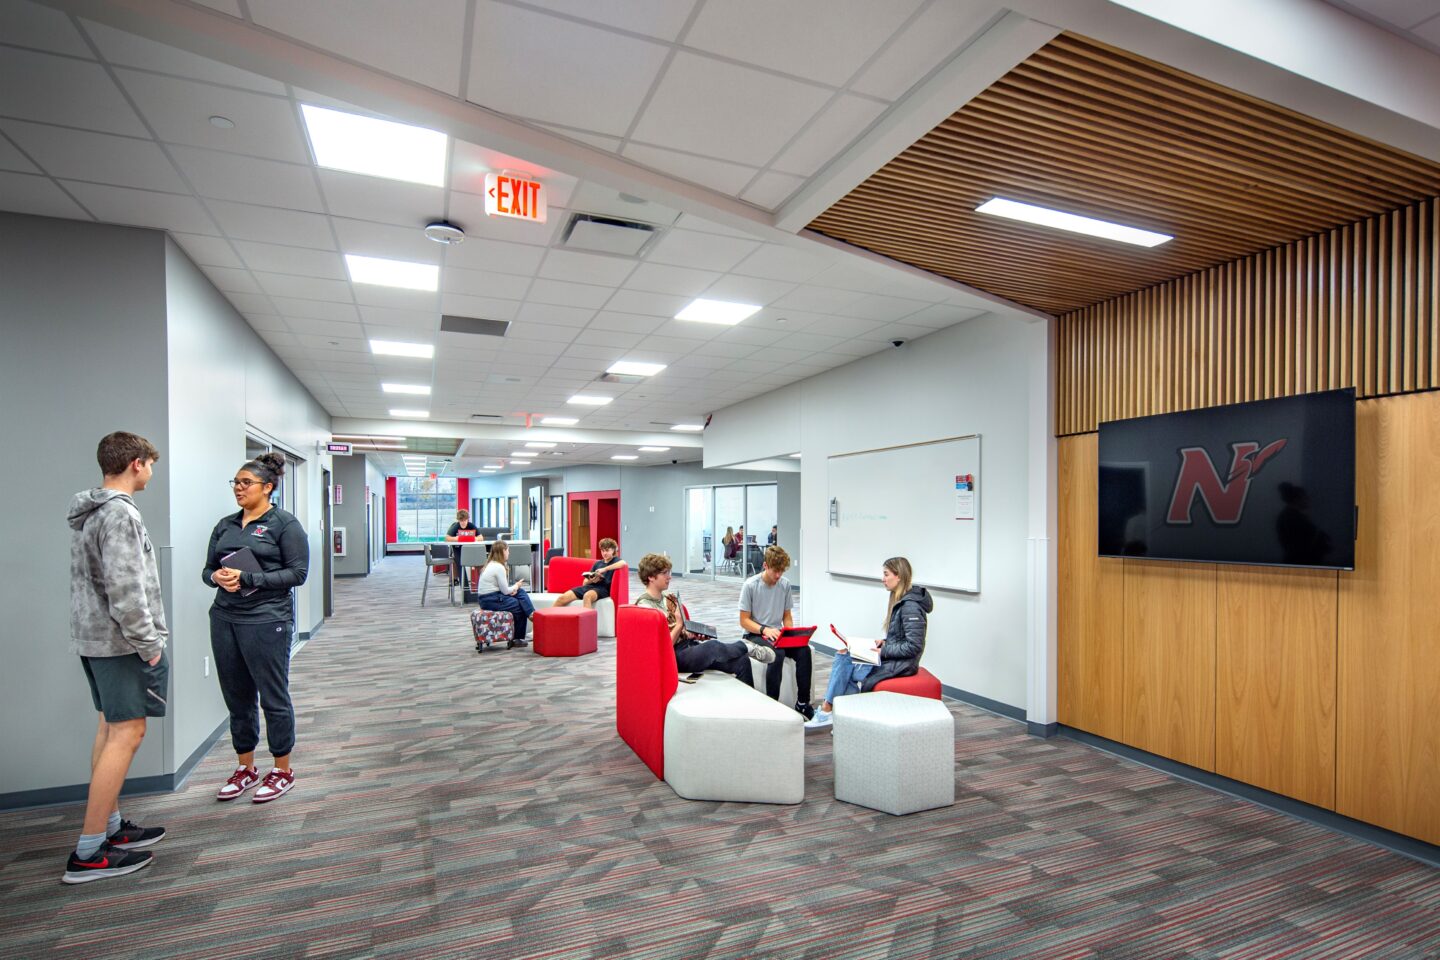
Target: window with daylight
x=424, y=508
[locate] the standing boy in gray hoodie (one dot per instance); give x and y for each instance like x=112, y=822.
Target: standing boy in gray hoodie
x=117, y=626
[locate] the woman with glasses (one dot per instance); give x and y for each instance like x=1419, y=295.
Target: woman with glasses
x=256, y=556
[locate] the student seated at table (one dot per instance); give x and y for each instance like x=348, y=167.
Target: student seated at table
x=498, y=593
x=597, y=580
x=906, y=620
x=461, y=525
x=693, y=653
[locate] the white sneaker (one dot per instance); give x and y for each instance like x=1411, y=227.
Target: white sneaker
x=761, y=654
x=821, y=719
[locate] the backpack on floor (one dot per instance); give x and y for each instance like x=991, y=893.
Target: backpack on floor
x=491, y=626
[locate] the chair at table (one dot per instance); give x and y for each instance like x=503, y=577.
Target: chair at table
x=439, y=562
x=472, y=558
x=522, y=557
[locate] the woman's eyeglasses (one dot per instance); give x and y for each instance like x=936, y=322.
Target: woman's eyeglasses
x=244, y=484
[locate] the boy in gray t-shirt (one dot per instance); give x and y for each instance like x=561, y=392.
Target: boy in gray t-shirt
x=765, y=606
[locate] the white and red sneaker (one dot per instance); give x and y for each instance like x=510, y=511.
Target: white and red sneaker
x=277, y=783
x=241, y=780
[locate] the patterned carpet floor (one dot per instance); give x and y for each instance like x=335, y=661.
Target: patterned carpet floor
x=452, y=805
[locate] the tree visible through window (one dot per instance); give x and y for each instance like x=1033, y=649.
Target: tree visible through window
x=424, y=508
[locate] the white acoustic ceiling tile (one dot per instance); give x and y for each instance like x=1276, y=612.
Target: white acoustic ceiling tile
x=942, y=315
x=522, y=259
x=564, y=294
x=381, y=34
x=680, y=281
x=481, y=283
x=743, y=334
x=469, y=163
x=637, y=301
x=208, y=251
x=371, y=295
x=843, y=327
x=599, y=141
x=25, y=24
x=231, y=176
x=486, y=308
x=385, y=240
x=816, y=299
x=810, y=343
x=586, y=268
x=732, y=350
x=551, y=314
x=468, y=210
x=63, y=91
x=304, y=288
x=97, y=157
x=772, y=189
x=142, y=208
x=748, y=290
x=318, y=309
x=881, y=308
x=228, y=280
x=323, y=328
x=656, y=18
x=609, y=338
x=837, y=126
x=409, y=319
x=776, y=261
x=347, y=350
x=275, y=258
x=719, y=175
x=242, y=221
x=232, y=7
x=822, y=40
x=585, y=85
x=268, y=323
x=128, y=50
x=938, y=33
x=707, y=107
x=853, y=273
x=12, y=159
x=626, y=322
x=1429, y=30
x=701, y=251
x=250, y=303
x=693, y=333
x=670, y=345
x=540, y=331
x=180, y=112
x=860, y=348
x=688, y=221
x=389, y=201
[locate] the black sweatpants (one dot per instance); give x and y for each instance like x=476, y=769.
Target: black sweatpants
x=733, y=657
x=253, y=660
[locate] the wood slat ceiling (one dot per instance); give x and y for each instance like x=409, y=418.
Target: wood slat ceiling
x=1094, y=130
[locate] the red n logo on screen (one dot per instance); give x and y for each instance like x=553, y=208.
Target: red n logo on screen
x=1224, y=499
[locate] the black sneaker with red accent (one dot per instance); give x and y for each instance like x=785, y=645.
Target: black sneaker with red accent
x=104, y=863
x=132, y=836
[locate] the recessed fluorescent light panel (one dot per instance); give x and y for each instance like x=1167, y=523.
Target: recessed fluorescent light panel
x=410, y=414
x=559, y=421
x=393, y=273
x=1059, y=220
x=653, y=449
x=723, y=312
x=377, y=148
x=394, y=348
x=589, y=400
x=520, y=463
x=688, y=427
x=634, y=368
x=540, y=444
x=624, y=456
x=416, y=389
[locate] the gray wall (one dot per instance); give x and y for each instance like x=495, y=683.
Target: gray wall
x=350, y=472
x=111, y=328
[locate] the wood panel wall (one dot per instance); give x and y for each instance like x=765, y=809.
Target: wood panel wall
x=1355, y=306
x=1321, y=686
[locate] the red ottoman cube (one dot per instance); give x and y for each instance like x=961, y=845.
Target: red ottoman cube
x=923, y=684
x=564, y=631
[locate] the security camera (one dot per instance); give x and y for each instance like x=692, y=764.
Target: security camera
x=673, y=462
x=897, y=343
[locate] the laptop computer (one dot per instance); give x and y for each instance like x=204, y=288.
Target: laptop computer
x=794, y=637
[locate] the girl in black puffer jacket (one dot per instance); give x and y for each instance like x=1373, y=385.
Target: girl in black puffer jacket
x=900, y=651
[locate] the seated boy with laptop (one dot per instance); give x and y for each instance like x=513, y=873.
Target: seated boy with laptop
x=694, y=651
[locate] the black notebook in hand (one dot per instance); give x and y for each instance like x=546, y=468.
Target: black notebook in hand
x=244, y=561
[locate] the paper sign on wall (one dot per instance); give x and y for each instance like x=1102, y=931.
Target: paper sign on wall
x=965, y=496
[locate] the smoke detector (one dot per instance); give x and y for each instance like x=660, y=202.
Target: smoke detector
x=443, y=232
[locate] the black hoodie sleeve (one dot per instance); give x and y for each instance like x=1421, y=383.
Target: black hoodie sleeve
x=294, y=554
x=905, y=640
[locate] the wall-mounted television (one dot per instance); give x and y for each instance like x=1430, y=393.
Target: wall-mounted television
x=1267, y=482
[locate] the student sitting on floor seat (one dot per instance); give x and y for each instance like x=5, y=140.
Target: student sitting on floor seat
x=693, y=653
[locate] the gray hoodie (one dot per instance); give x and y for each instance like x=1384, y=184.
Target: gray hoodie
x=115, y=606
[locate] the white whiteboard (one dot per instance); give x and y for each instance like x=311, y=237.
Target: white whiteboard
x=902, y=501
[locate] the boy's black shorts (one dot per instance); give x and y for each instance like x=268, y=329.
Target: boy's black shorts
x=126, y=687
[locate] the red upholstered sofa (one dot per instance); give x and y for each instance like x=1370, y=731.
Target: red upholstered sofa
x=645, y=679
x=563, y=573
x=922, y=684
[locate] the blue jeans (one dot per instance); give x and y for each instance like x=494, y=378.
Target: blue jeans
x=518, y=604
x=845, y=676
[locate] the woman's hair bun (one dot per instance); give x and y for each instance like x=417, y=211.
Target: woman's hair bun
x=274, y=461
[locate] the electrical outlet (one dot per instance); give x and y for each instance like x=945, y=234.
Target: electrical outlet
x=652, y=509
x=207, y=666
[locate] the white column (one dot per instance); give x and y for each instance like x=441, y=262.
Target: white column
x=1041, y=580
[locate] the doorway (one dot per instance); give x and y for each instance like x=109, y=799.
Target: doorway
x=329, y=550
x=728, y=527
x=594, y=516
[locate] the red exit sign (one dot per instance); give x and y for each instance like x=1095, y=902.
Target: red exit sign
x=511, y=196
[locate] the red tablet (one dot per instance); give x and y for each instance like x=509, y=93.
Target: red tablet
x=794, y=636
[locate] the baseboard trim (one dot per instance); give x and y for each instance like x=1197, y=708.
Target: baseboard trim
x=134, y=786
x=955, y=693
x=1042, y=730
x=342, y=576
x=1426, y=853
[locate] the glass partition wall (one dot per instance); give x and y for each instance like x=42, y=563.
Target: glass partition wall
x=727, y=528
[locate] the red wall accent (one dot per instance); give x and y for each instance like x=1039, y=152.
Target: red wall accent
x=604, y=518
x=392, y=516
x=462, y=496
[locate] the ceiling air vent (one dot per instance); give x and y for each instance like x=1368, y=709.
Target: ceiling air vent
x=597, y=234
x=486, y=416
x=473, y=325
x=619, y=378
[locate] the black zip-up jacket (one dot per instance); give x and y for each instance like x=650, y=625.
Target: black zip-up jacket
x=904, y=639
x=279, y=543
